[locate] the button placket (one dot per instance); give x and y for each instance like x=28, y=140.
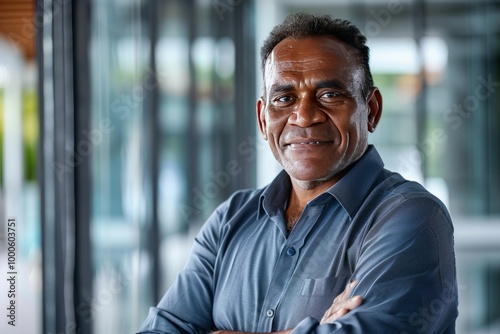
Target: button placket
x=287, y=263
x=284, y=269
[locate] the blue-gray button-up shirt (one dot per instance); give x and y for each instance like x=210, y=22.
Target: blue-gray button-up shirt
x=390, y=234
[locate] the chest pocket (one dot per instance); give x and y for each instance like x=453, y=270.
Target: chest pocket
x=327, y=286
x=316, y=296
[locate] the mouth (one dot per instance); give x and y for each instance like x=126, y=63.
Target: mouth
x=305, y=144
x=315, y=143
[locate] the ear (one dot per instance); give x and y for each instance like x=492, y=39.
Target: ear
x=374, y=108
x=261, y=116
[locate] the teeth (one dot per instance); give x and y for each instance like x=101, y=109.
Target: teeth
x=308, y=143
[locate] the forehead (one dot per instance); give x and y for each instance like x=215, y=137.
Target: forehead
x=311, y=56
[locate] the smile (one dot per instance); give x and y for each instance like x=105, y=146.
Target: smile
x=306, y=143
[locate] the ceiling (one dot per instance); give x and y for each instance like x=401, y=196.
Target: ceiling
x=17, y=25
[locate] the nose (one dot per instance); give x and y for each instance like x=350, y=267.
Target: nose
x=307, y=112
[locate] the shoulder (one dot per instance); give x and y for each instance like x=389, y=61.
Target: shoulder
x=242, y=206
x=241, y=202
x=392, y=191
x=398, y=206
x=237, y=208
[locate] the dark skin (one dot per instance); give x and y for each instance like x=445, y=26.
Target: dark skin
x=316, y=120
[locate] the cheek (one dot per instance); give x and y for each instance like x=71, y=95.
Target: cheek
x=358, y=130
x=356, y=120
x=275, y=126
x=350, y=127
x=345, y=124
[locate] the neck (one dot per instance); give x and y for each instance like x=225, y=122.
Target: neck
x=299, y=197
x=305, y=191
x=302, y=193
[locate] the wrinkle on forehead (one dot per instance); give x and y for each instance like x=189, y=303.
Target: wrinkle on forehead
x=301, y=56
x=329, y=44
x=294, y=48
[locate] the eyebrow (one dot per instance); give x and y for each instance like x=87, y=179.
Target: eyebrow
x=277, y=88
x=331, y=84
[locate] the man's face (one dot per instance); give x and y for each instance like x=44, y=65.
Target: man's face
x=313, y=112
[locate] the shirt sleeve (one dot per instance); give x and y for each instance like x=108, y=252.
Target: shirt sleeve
x=406, y=274
x=187, y=305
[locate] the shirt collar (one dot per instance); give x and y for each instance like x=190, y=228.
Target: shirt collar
x=350, y=191
x=275, y=196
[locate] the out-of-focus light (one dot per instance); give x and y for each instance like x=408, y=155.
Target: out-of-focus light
x=172, y=57
x=401, y=55
x=4, y=76
x=435, y=52
x=203, y=52
x=225, y=53
x=393, y=55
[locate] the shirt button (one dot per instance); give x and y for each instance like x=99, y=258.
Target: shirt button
x=291, y=251
x=270, y=313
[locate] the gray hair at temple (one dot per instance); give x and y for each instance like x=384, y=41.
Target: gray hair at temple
x=301, y=25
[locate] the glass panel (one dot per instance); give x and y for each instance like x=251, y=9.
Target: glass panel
x=119, y=79
x=463, y=149
x=196, y=57
x=174, y=66
x=20, y=241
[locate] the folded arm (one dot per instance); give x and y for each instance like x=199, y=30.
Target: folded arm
x=406, y=273
x=187, y=305
x=341, y=305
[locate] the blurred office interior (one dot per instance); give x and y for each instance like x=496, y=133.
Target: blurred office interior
x=124, y=123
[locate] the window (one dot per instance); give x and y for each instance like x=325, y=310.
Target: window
x=147, y=123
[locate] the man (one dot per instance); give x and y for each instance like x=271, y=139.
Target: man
x=274, y=259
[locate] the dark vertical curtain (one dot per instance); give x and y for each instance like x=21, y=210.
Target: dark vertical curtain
x=62, y=42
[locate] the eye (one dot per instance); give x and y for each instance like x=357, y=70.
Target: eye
x=330, y=95
x=283, y=99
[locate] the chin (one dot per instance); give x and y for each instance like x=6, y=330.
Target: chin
x=311, y=180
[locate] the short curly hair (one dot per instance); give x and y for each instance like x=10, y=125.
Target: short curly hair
x=301, y=25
